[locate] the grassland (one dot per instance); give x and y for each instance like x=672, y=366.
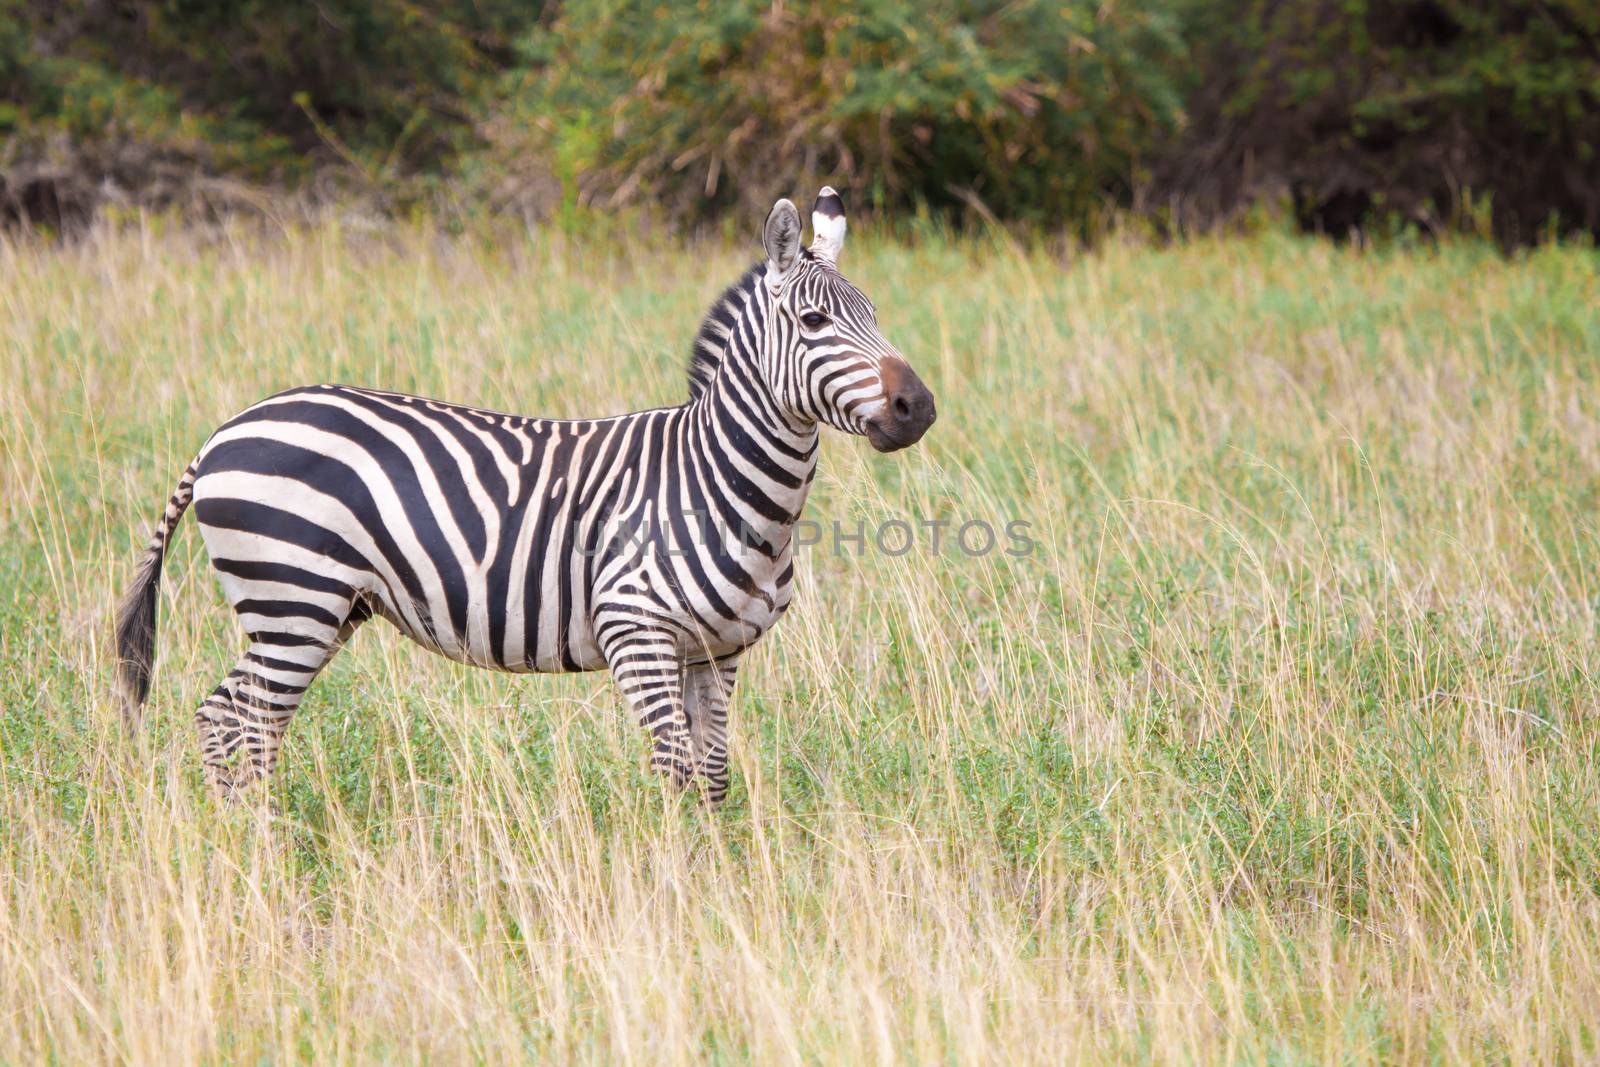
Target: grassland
x=1283, y=746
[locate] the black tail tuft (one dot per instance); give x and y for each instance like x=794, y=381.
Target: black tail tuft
x=136, y=637
x=136, y=617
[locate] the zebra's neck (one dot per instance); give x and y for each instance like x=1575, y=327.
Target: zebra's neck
x=742, y=308
x=761, y=461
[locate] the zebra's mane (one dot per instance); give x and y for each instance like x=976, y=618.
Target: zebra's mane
x=711, y=343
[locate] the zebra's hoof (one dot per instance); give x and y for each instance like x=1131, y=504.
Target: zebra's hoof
x=246, y=795
x=675, y=771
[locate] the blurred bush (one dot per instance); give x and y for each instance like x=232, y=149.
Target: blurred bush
x=155, y=100
x=1470, y=114
x=1027, y=110
x=1352, y=113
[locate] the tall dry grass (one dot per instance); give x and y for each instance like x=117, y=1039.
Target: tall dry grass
x=1281, y=746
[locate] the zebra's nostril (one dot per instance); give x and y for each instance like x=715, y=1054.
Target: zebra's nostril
x=901, y=407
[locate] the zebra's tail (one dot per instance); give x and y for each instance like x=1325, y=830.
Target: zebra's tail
x=136, y=617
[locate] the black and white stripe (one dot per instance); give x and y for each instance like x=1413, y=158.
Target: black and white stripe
x=655, y=544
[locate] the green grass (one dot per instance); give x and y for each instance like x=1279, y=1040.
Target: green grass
x=1282, y=747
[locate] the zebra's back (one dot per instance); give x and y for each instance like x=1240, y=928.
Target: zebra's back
x=457, y=524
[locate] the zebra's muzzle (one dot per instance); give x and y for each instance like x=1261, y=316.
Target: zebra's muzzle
x=908, y=408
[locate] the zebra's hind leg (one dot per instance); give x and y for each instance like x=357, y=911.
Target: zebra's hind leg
x=707, y=689
x=649, y=671
x=242, y=722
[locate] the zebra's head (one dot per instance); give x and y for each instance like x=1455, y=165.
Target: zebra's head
x=822, y=355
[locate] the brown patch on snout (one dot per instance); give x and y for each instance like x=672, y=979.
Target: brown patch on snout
x=908, y=408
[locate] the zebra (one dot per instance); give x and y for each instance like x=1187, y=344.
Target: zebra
x=656, y=544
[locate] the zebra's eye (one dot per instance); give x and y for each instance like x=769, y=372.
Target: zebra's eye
x=814, y=320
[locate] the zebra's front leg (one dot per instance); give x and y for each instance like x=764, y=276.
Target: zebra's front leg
x=649, y=671
x=707, y=689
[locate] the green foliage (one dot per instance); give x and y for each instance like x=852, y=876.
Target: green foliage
x=1028, y=110
x=1433, y=113
x=1415, y=109
x=384, y=79
x=139, y=93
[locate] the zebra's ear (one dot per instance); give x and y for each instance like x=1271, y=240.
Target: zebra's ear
x=782, y=238
x=827, y=226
